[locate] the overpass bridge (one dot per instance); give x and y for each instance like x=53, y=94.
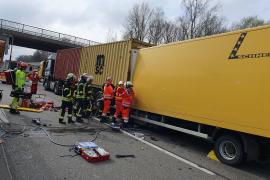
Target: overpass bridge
x=38, y=38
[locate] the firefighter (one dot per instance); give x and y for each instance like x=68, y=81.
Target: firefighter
x=108, y=95
x=89, y=95
x=18, y=85
x=118, y=100
x=34, y=78
x=67, y=97
x=80, y=98
x=128, y=96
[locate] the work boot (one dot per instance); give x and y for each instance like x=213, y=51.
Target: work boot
x=61, y=121
x=113, y=120
x=103, y=119
x=79, y=119
x=125, y=125
x=14, y=111
x=70, y=120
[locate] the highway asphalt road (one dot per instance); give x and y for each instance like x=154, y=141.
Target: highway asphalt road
x=164, y=154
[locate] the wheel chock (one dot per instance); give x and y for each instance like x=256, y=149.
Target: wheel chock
x=211, y=155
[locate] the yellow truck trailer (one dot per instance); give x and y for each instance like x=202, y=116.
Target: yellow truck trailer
x=215, y=87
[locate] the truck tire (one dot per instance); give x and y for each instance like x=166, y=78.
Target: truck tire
x=55, y=88
x=229, y=150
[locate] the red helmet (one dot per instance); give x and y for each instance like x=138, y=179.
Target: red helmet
x=23, y=65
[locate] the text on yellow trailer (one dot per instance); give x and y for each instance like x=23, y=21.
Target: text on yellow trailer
x=219, y=82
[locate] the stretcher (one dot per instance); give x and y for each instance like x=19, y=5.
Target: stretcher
x=5, y=106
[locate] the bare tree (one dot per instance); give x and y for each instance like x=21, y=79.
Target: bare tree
x=172, y=32
x=137, y=23
x=169, y=32
x=248, y=22
x=156, y=27
x=200, y=19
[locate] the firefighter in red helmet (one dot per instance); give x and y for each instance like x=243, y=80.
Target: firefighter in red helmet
x=18, y=84
x=34, y=78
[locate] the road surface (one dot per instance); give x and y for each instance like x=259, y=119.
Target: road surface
x=164, y=154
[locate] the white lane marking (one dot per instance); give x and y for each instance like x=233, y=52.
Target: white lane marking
x=6, y=161
x=171, y=154
x=167, y=152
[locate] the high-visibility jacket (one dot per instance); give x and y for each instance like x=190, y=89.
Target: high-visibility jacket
x=127, y=98
x=80, y=93
x=119, y=93
x=88, y=91
x=108, y=91
x=67, y=92
x=20, y=78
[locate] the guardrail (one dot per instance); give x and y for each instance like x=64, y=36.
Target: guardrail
x=40, y=32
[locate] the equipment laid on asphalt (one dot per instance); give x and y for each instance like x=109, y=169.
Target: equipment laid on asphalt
x=21, y=94
x=5, y=106
x=91, y=152
x=124, y=156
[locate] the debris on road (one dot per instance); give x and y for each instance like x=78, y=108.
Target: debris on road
x=125, y=156
x=138, y=135
x=153, y=138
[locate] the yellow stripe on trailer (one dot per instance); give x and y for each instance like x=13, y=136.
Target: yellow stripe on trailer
x=5, y=106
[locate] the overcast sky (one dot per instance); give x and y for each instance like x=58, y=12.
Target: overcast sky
x=92, y=19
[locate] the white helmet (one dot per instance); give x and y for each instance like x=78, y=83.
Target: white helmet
x=83, y=77
x=128, y=84
x=121, y=83
x=71, y=76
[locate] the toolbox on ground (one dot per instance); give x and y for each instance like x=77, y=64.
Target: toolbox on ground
x=91, y=152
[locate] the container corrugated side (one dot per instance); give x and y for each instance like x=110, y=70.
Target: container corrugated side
x=116, y=64
x=67, y=61
x=2, y=50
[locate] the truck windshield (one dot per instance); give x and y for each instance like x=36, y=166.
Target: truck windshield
x=49, y=65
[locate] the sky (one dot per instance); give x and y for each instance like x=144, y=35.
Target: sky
x=93, y=19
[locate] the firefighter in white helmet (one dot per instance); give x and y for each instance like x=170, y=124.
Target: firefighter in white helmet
x=67, y=98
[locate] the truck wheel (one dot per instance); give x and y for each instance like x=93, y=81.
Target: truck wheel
x=47, y=86
x=229, y=150
x=55, y=89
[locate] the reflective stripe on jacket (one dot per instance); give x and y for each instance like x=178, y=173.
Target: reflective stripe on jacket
x=127, y=98
x=108, y=92
x=20, y=78
x=119, y=94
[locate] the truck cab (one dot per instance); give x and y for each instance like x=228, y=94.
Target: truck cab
x=48, y=66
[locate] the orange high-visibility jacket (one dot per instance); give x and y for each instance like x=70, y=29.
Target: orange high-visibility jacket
x=119, y=93
x=108, y=91
x=127, y=98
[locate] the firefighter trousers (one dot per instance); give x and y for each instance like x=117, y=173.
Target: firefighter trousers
x=68, y=105
x=107, y=106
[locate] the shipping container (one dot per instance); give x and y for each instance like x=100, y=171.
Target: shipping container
x=111, y=59
x=56, y=68
x=67, y=61
x=2, y=50
x=214, y=87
